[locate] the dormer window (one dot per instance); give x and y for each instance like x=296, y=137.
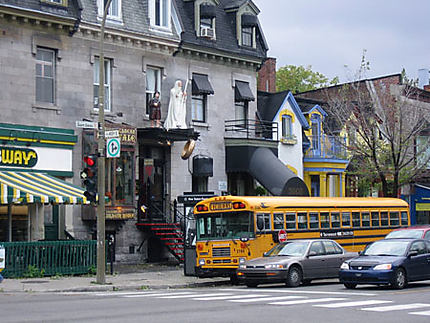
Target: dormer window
x=114, y=12
x=62, y=3
x=247, y=35
x=248, y=24
x=207, y=21
x=159, y=13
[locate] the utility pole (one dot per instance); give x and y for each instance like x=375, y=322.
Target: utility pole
x=101, y=245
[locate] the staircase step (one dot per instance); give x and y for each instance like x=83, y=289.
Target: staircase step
x=174, y=244
x=171, y=238
x=157, y=223
x=165, y=233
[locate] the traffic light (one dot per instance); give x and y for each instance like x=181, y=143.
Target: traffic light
x=89, y=175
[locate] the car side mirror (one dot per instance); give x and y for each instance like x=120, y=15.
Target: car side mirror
x=412, y=253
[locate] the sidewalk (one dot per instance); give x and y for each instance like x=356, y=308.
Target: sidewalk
x=151, y=277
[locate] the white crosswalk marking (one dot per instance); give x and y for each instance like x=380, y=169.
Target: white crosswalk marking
x=395, y=307
x=265, y=299
x=352, y=304
x=295, y=291
x=306, y=301
x=425, y=313
x=121, y=293
x=156, y=294
x=195, y=295
x=216, y=298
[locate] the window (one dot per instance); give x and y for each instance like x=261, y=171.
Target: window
x=332, y=248
x=247, y=36
x=335, y=220
x=325, y=220
x=313, y=220
x=159, y=12
x=45, y=75
x=316, y=127
x=302, y=220
x=404, y=218
x=107, y=70
x=394, y=219
x=200, y=184
x=287, y=126
x=114, y=12
x=423, y=151
x=420, y=247
x=205, y=22
x=278, y=221
x=241, y=113
x=316, y=249
x=263, y=222
x=427, y=236
x=291, y=221
x=384, y=219
x=375, y=219
x=153, y=84
x=356, y=219
x=346, y=219
x=56, y=2
x=365, y=219
x=198, y=108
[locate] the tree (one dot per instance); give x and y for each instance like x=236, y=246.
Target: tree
x=300, y=79
x=383, y=122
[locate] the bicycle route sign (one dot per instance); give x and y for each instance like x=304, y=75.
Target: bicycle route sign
x=113, y=148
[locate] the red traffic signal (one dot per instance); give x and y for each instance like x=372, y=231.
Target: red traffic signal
x=90, y=160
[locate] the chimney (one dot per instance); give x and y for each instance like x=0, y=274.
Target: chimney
x=423, y=77
x=267, y=76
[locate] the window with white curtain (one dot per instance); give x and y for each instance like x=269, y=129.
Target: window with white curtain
x=153, y=84
x=160, y=13
x=107, y=80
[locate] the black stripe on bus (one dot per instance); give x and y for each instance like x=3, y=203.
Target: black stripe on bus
x=341, y=238
x=365, y=208
x=328, y=230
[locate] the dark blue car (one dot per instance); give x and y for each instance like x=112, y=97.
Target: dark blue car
x=392, y=262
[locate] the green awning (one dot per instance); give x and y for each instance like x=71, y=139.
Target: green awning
x=29, y=187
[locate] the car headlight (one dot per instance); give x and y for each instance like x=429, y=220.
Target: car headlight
x=345, y=265
x=201, y=262
x=273, y=266
x=242, y=260
x=242, y=266
x=383, y=267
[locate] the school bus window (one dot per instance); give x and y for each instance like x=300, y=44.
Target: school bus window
x=302, y=221
x=313, y=220
x=325, y=220
x=291, y=220
x=335, y=219
x=375, y=218
x=278, y=221
x=346, y=219
x=365, y=219
x=356, y=219
x=263, y=222
x=404, y=218
x=384, y=219
x=394, y=218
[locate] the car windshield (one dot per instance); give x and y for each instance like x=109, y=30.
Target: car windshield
x=386, y=248
x=295, y=249
x=416, y=234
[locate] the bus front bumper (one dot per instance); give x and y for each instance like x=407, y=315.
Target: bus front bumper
x=214, y=272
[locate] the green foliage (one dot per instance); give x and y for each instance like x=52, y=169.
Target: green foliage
x=34, y=272
x=260, y=191
x=92, y=270
x=300, y=79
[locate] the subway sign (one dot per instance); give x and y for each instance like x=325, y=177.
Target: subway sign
x=18, y=157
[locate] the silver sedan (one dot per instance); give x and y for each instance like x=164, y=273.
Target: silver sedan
x=295, y=262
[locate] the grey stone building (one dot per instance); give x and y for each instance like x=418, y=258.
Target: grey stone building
x=49, y=79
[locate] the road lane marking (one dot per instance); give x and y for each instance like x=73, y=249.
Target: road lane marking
x=195, y=295
x=156, y=294
x=295, y=291
x=215, y=298
x=305, y=301
x=396, y=307
x=426, y=313
x=265, y=299
x=121, y=293
x=352, y=304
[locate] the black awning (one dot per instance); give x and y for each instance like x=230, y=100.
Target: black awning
x=249, y=20
x=201, y=85
x=207, y=11
x=243, y=92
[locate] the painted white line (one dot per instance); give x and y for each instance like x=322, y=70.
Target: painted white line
x=425, y=313
x=305, y=301
x=157, y=294
x=295, y=291
x=396, y=307
x=122, y=293
x=352, y=304
x=195, y=295
x=265, y=299
x=215, y=298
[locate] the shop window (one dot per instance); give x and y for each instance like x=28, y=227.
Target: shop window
x=291, y=220
x=278, y=221
x=119, y=179
x=45, y=75
x=198, y=108
x=153, y=84
x=107, y=73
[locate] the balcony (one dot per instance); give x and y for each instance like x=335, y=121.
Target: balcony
x=327, y=147
x=251, y=129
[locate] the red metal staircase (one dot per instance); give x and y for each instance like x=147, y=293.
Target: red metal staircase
x=170, y=234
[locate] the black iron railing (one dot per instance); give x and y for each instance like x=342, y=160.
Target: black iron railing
x=251, y=129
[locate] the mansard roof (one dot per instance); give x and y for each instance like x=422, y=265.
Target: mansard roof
x=36, y=6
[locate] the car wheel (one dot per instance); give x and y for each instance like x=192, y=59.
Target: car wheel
x=350, y=285
x=250, y=285
x=399, y=280
x=294, y=277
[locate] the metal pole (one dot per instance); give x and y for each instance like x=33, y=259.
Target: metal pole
x=101, y=248
x=9, y=222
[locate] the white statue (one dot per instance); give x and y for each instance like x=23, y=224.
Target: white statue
x=176, y=114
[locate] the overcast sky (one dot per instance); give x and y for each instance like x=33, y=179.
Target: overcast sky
x=330, y=34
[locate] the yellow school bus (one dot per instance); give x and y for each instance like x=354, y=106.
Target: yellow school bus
x=232, y=229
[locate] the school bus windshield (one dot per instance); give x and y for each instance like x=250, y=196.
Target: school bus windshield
x=225, y=225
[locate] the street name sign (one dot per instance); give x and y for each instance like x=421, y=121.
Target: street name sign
x=86, y=124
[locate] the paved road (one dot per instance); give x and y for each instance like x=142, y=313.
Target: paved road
x=270, y=303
